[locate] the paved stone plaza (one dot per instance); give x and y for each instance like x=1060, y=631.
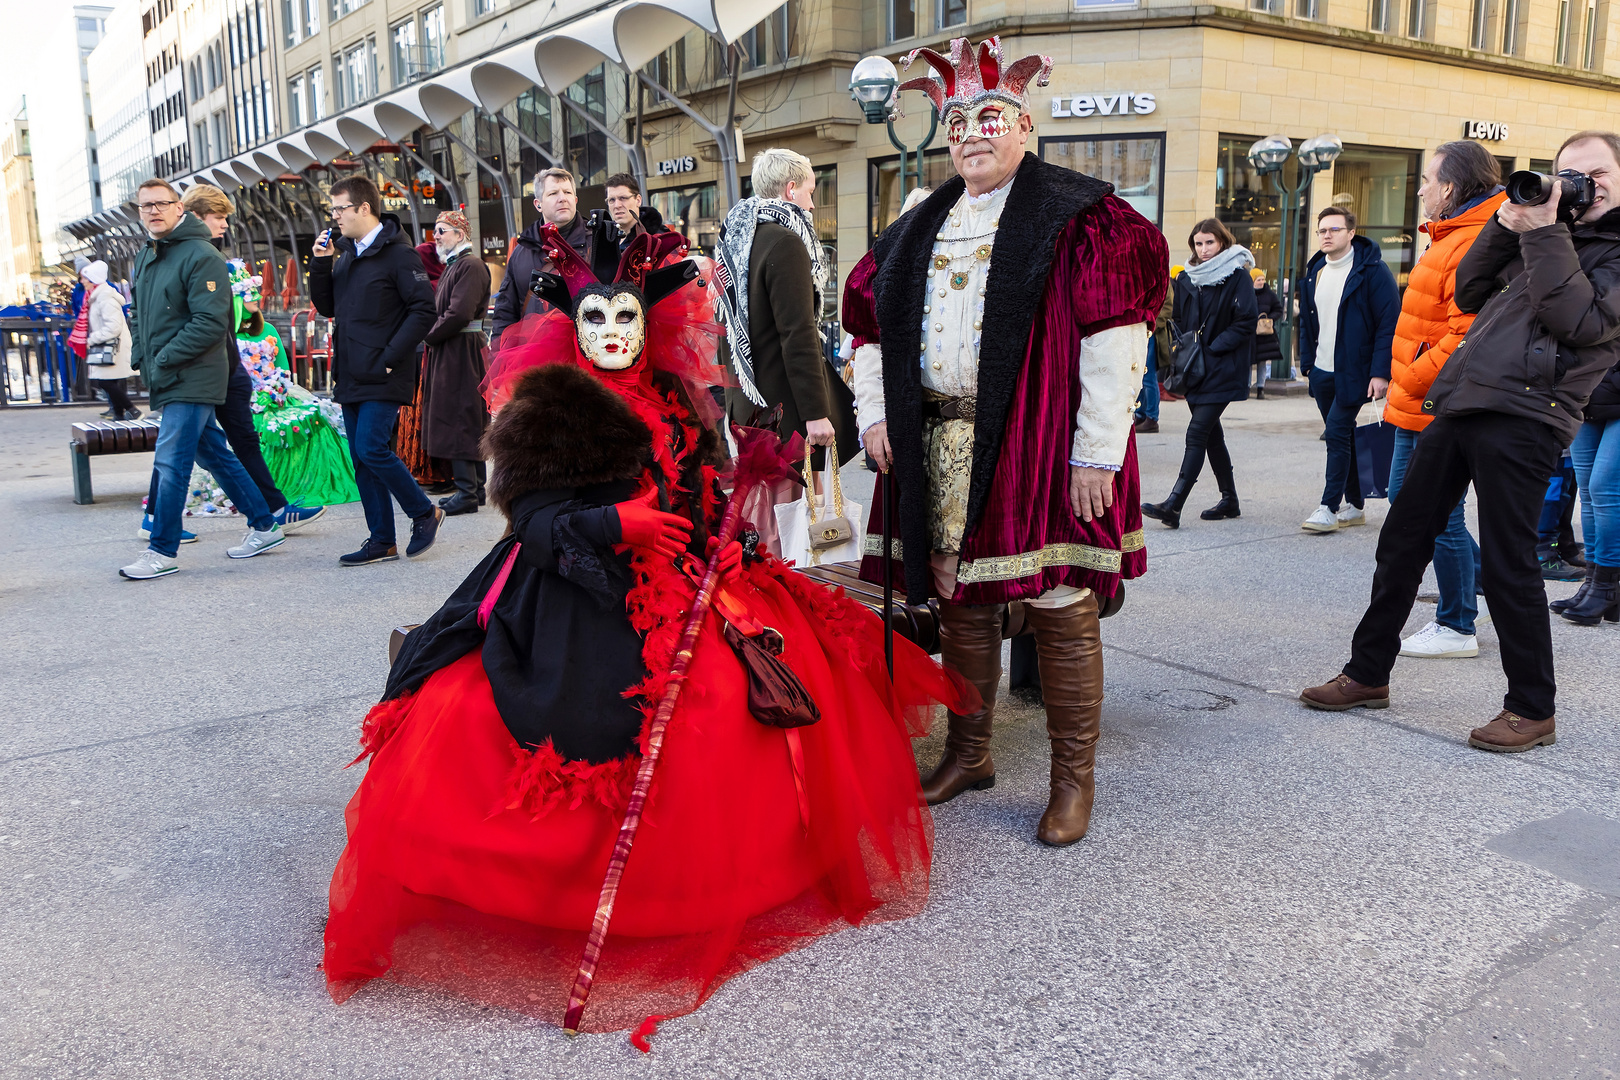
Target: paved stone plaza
x=1266, y=891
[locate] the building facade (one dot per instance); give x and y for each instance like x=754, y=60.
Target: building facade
x=62, y=130
x=118, y=97
x=19, y=225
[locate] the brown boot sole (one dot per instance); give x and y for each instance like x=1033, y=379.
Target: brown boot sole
x=977, y=785
x=1060, y=843
x=1497, y=748
x=1369, y=703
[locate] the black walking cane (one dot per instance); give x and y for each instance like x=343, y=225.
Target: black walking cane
x=888, y=571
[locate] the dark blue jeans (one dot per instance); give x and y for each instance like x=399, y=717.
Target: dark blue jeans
x=190, y=435
x=1456, y=555
x=1147, y=403
x=1343, y=480
x=378, y=472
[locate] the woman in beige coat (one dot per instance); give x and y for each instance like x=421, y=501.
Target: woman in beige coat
x=108, y=327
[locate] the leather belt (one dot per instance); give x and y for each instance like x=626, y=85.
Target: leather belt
x=474, y=327
x=950, y=409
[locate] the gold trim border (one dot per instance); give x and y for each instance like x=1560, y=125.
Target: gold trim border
x=1028, y=563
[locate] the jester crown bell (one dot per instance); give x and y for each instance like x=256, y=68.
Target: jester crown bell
x=973, y=78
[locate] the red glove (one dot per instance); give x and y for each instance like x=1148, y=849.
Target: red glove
x=730, y=558
x=652, y=530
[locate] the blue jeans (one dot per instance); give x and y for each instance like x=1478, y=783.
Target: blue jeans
x=1147, y=403
x=190, y=435
x=1596, y=451
x=1456, y=555
x=1343, y=480
x=378, y=473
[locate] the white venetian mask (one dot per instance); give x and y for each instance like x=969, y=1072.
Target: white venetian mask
x=612, y=328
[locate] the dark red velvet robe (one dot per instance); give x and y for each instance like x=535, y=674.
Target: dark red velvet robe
x=1070, y=260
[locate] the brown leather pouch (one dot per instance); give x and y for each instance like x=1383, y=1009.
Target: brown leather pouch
x=776, y=697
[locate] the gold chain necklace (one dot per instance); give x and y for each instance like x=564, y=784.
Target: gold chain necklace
x=959, y=278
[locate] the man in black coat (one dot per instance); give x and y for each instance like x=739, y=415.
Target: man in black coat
x=376, y=292
x=555, y=198
x=1546, y=287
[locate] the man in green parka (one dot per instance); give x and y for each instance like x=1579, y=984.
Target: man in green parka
x=182, y=343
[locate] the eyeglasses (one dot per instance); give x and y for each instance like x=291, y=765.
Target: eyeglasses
x=1330, y=232
x=619, y=200
x=154, y=207
x=444, y=230
x=337, y=211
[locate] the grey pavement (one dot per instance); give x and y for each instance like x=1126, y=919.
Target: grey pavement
x=1266, y=891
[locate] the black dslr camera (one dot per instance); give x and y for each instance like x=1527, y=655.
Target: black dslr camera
x=1532, y=189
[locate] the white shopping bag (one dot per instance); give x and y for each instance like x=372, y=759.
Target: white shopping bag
x=811, y=531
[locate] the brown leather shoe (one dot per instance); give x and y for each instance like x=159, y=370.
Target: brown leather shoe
x=969, y=643
x=1069, y=644
x=1345, y=693
x=1510, y=733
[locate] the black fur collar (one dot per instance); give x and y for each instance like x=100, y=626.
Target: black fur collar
x=1044, y=199
x=562, y=429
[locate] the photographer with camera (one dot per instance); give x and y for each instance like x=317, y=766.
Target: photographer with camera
x=1544, y=279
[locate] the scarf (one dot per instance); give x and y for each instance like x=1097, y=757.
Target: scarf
x=733, y=250
x=79, y=339
x=1216, y=270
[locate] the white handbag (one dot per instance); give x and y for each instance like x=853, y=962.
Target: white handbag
x=811, y=535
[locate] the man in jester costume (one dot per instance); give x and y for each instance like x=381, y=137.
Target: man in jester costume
x=1001, y=330
x=301, y=435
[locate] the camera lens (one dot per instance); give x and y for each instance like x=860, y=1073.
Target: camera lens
x=1528, y=188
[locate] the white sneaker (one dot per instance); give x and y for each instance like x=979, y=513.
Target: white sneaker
x=149, y=564
x=1323, y=521
x=256, y=543
x=1436, y=642
x=1351, y=515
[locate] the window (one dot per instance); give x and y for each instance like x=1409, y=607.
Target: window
x=1420, y=19
x=774, y=40
x=1306, y=9
x=295, y=102
x=433, y=38
x=1589, y=36
x=312, y=17
x=1379, y=185
x=1134, y=164
x=1514, y=14
x=951, y=12
x=883, y=198
x=668, y=68
x=290, y=22
x=1479, y=25
x=1270, y=7
x=482, y=7
x=341, y=8
x=355, y=72
x=199, y=132
x=317, y=94
x=902, y=19
x=1561, y=35
x=1246, y=202
x=403, y=37
x=587, y=146
x=221, y=135
x=690, y=211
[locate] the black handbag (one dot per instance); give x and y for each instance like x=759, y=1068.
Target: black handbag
x=1187, y=369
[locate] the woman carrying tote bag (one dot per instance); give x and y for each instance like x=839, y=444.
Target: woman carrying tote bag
x=1214, y=295
x=107, y=342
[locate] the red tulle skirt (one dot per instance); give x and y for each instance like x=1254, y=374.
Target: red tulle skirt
x=454, y=879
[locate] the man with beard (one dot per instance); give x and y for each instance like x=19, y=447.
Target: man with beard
x=1002, y=329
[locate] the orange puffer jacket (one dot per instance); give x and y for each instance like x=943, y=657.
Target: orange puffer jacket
x=1430, y=325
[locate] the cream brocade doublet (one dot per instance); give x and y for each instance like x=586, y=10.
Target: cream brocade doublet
x=952, y=319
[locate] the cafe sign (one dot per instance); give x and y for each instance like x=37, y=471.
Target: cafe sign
x=1120, y=104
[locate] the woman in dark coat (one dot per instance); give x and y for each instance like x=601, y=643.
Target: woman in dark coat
x=1267, y=348
x=453, y=412
x=1213, y=296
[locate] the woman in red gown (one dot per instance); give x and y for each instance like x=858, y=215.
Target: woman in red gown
x=503, y=752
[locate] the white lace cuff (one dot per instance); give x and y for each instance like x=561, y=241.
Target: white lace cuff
x=1111, y=366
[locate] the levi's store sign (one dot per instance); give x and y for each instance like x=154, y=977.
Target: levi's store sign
x=1066, y=105
x=1484, y=130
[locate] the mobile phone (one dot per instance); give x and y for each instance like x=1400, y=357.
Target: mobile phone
x=326, y=238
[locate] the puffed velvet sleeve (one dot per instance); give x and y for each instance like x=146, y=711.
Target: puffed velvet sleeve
x=1121, y=267
x=860, y=322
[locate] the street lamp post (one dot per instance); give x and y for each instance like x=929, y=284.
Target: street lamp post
x=1268, y=156
x=873, y=86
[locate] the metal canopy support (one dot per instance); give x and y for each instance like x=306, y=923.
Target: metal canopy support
x=292, y=234
x=500, y=181
x=545, y=153
x=448, y=184
x=725, y=135
x=637, y=165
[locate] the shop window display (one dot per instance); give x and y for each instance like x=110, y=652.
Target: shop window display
x=1133, y=163
x=1379, y=185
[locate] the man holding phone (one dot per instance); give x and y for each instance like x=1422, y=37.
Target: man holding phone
x=370, y=282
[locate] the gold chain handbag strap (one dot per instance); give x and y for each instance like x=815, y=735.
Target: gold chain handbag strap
x=832, y=473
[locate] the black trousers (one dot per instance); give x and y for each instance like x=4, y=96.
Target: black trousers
x=1508, y=460
x=1206, y=439
x=236, y=417
x=117, y=392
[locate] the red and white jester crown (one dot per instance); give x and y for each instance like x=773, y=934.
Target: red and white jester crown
x=971, y=80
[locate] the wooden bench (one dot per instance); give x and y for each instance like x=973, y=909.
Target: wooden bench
x=96, y=438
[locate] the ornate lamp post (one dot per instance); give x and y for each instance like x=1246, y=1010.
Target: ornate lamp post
x=872, y=84
x=1268, y=156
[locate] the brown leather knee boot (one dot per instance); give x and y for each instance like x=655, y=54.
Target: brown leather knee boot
x=1069, y=644
x=970, y=644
